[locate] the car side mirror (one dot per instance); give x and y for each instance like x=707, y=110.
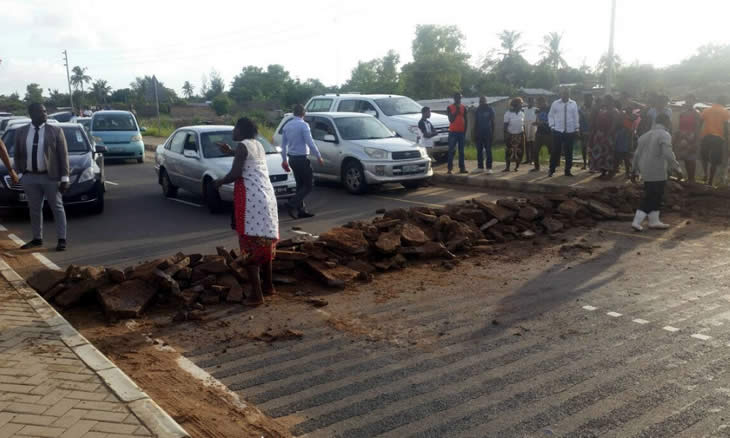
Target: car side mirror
x=101, y=149
x=143, y=129
x=371, y=113
x=329, y=138
x=189, y=153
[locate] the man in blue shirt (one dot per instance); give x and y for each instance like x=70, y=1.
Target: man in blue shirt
x=296, y=145
x=484, y=131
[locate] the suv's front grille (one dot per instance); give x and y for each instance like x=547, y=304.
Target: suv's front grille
x=442, y=130
x=9, y=184
x=407, y=155
x=278, y=178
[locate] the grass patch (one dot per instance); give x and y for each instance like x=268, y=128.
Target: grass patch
x=164, y=129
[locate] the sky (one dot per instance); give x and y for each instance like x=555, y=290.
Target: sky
x=324, y=39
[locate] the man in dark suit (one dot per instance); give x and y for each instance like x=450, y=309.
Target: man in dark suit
x=41, y=156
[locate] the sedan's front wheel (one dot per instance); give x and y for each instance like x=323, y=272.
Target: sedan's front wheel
x=353, y=177
x=168, y=189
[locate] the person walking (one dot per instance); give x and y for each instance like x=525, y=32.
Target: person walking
x=585, y=114
x=255, y=209
x=41, y=156
x=514, y=134
x=686, y=139
x=543, y=135
x=653, y=159
x=484, y=129
x=530, y=129
x=457, y=132
x=296, y=145
x=604, y=135
x=714, y=138
x=565, y=124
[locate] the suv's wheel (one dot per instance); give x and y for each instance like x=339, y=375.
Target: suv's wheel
x=168, y=189
x=212, y=197
x=353, y=177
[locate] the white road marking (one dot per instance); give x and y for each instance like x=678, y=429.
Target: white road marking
x=669, y=328
x=18, y=241
x=590, y=308
x=192, y=204
x=2, y=228
x=701, y=337
x=640, y=321
x=112, y=183
x=46, y=262
x=614, y=314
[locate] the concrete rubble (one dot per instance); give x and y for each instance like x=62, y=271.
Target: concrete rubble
x=351, y=253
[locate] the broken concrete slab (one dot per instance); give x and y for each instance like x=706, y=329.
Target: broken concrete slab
x=349, y=240
x=45, y=279
x=388, y=243
x=552, y=225
x=413, y=235
x=126, y=300
x=333, y=277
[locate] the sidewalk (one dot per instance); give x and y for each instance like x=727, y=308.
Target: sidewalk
x=53, y=383
x=526, y=181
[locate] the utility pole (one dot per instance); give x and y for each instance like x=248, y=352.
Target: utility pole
x=611, y=66
x=68, y=81
x=157, y=104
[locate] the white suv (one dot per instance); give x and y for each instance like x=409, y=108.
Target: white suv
x=399, y=113
x=358, y=151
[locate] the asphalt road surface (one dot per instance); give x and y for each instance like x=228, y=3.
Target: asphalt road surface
x=138, y=223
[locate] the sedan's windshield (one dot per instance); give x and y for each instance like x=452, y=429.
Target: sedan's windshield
x=75, y=140
x=362, y=128
x=211, y=149
x=393, y=106
x=114, y=122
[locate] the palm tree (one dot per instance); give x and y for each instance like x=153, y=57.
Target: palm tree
x=78, y=79
x=510, y=41
x=551, y=52
x=188, y=89
x=101, y=89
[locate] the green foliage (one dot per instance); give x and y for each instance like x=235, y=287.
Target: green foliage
x=188, y=90
x=33, y=93
x=12, y=104
x=222, y=104
x=56, y=99
x=378, y=75
x=273, y=85
x=100, y=89
x=216, y=86
x=165, y=128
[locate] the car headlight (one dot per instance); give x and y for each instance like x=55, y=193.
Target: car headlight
x=376, y=154
x=98, y=140
x=85, y=175
x=136, y=138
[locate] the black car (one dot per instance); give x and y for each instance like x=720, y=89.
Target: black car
x=87, y=172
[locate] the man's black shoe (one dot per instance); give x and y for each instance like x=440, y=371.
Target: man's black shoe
x=61, y=245
x=292, y=212
x=305, y=214
x=35, y=243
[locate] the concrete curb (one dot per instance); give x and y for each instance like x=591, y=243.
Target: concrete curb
x=501, y=184
x=148, y=412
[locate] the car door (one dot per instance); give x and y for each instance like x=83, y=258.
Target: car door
x=322, y=127
x=173, y=158
x=192, y=167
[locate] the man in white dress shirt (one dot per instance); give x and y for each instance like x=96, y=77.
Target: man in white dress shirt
x=41, y=156
x=564, y=122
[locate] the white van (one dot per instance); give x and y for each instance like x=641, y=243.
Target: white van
x=399, y=113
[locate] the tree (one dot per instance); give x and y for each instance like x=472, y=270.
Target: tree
x=122, y=95
x=551, y=51
x=188, y=90
x=379, y=75
x=222, y=104
x=203, y=85
x=216, y=86
x=602, y=67
x=56, y=98
x=33, y=93
x=101, y=89
x=510, y=42
x=438, y=62
x=79, y=77
x=255, y=84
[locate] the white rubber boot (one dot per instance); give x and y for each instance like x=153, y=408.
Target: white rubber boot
x=638, y=219
x=655, y=223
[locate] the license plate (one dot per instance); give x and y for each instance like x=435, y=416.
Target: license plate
x=22, y=198
x=411, y=169
x=279, y=190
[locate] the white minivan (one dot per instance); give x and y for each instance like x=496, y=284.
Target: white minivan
x=360, y=151
x=399, y=113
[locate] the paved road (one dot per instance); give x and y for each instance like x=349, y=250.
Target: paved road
x=632, y=343
x=139, y=223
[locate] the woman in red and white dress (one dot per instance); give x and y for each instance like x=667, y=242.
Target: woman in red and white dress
x=255, y=208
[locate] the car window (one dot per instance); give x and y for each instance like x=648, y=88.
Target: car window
x=191, y=142
x=177, y=142
x=76, y=140
x=393, y=106
x=319, y=105
x=281, y=130
x=211, y=150
x=114, y=122
x=348, y=106
x=321, y=127
x=366, y=106
x=9, y=140
x=362, y=128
